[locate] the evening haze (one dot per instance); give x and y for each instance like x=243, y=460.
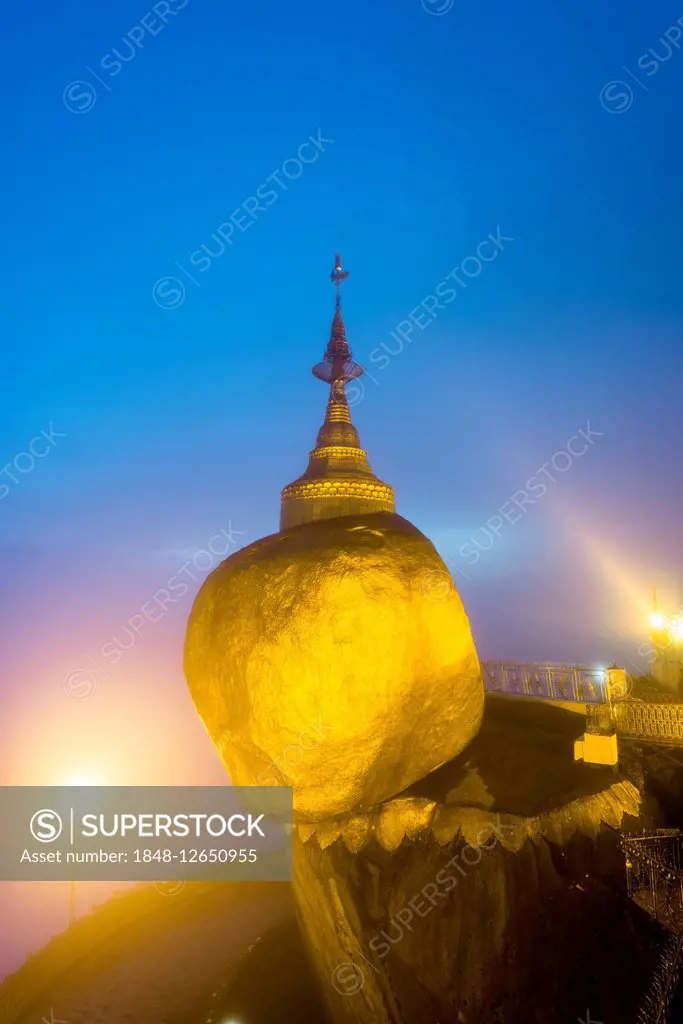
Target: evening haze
x=173, y=399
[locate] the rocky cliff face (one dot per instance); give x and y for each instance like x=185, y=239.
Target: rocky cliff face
x=480, y=896
x=534, y=935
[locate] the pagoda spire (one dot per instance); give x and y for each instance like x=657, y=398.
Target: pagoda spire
x=337, y=362
x=338, y=480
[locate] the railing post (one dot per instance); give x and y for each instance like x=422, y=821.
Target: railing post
x=616, y=683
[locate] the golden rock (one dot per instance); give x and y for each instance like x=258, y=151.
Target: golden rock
x=334, y=657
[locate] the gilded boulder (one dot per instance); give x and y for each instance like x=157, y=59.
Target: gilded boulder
x=334, y=657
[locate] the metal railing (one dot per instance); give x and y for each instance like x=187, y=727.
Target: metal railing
x=608, y=706
x=660, y=723
x=654, y=878
x=574, y=683
x=657, y=1005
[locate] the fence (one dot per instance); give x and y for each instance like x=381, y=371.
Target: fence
x=660, y=723
x=574, y=683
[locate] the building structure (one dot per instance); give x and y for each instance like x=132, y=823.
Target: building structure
x=338, y=480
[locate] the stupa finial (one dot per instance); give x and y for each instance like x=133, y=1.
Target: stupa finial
x=338, y=275
x=338, y=480
x=337, y=363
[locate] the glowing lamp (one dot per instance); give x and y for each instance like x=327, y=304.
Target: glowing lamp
x=657, y=620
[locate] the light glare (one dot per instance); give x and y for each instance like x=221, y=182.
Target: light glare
x=677, y=628
x=81, y=780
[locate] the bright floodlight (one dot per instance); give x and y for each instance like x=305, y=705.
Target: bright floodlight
x=657, y=620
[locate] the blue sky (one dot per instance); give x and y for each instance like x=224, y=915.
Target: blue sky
x=442, y=129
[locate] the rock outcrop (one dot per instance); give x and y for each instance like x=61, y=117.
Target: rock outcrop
x=492, y=892
x=336, y=658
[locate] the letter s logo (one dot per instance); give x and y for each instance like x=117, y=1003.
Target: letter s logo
x=46, y=826
x=380, y=950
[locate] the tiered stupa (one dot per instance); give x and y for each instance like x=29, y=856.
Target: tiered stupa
x=338, y=480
